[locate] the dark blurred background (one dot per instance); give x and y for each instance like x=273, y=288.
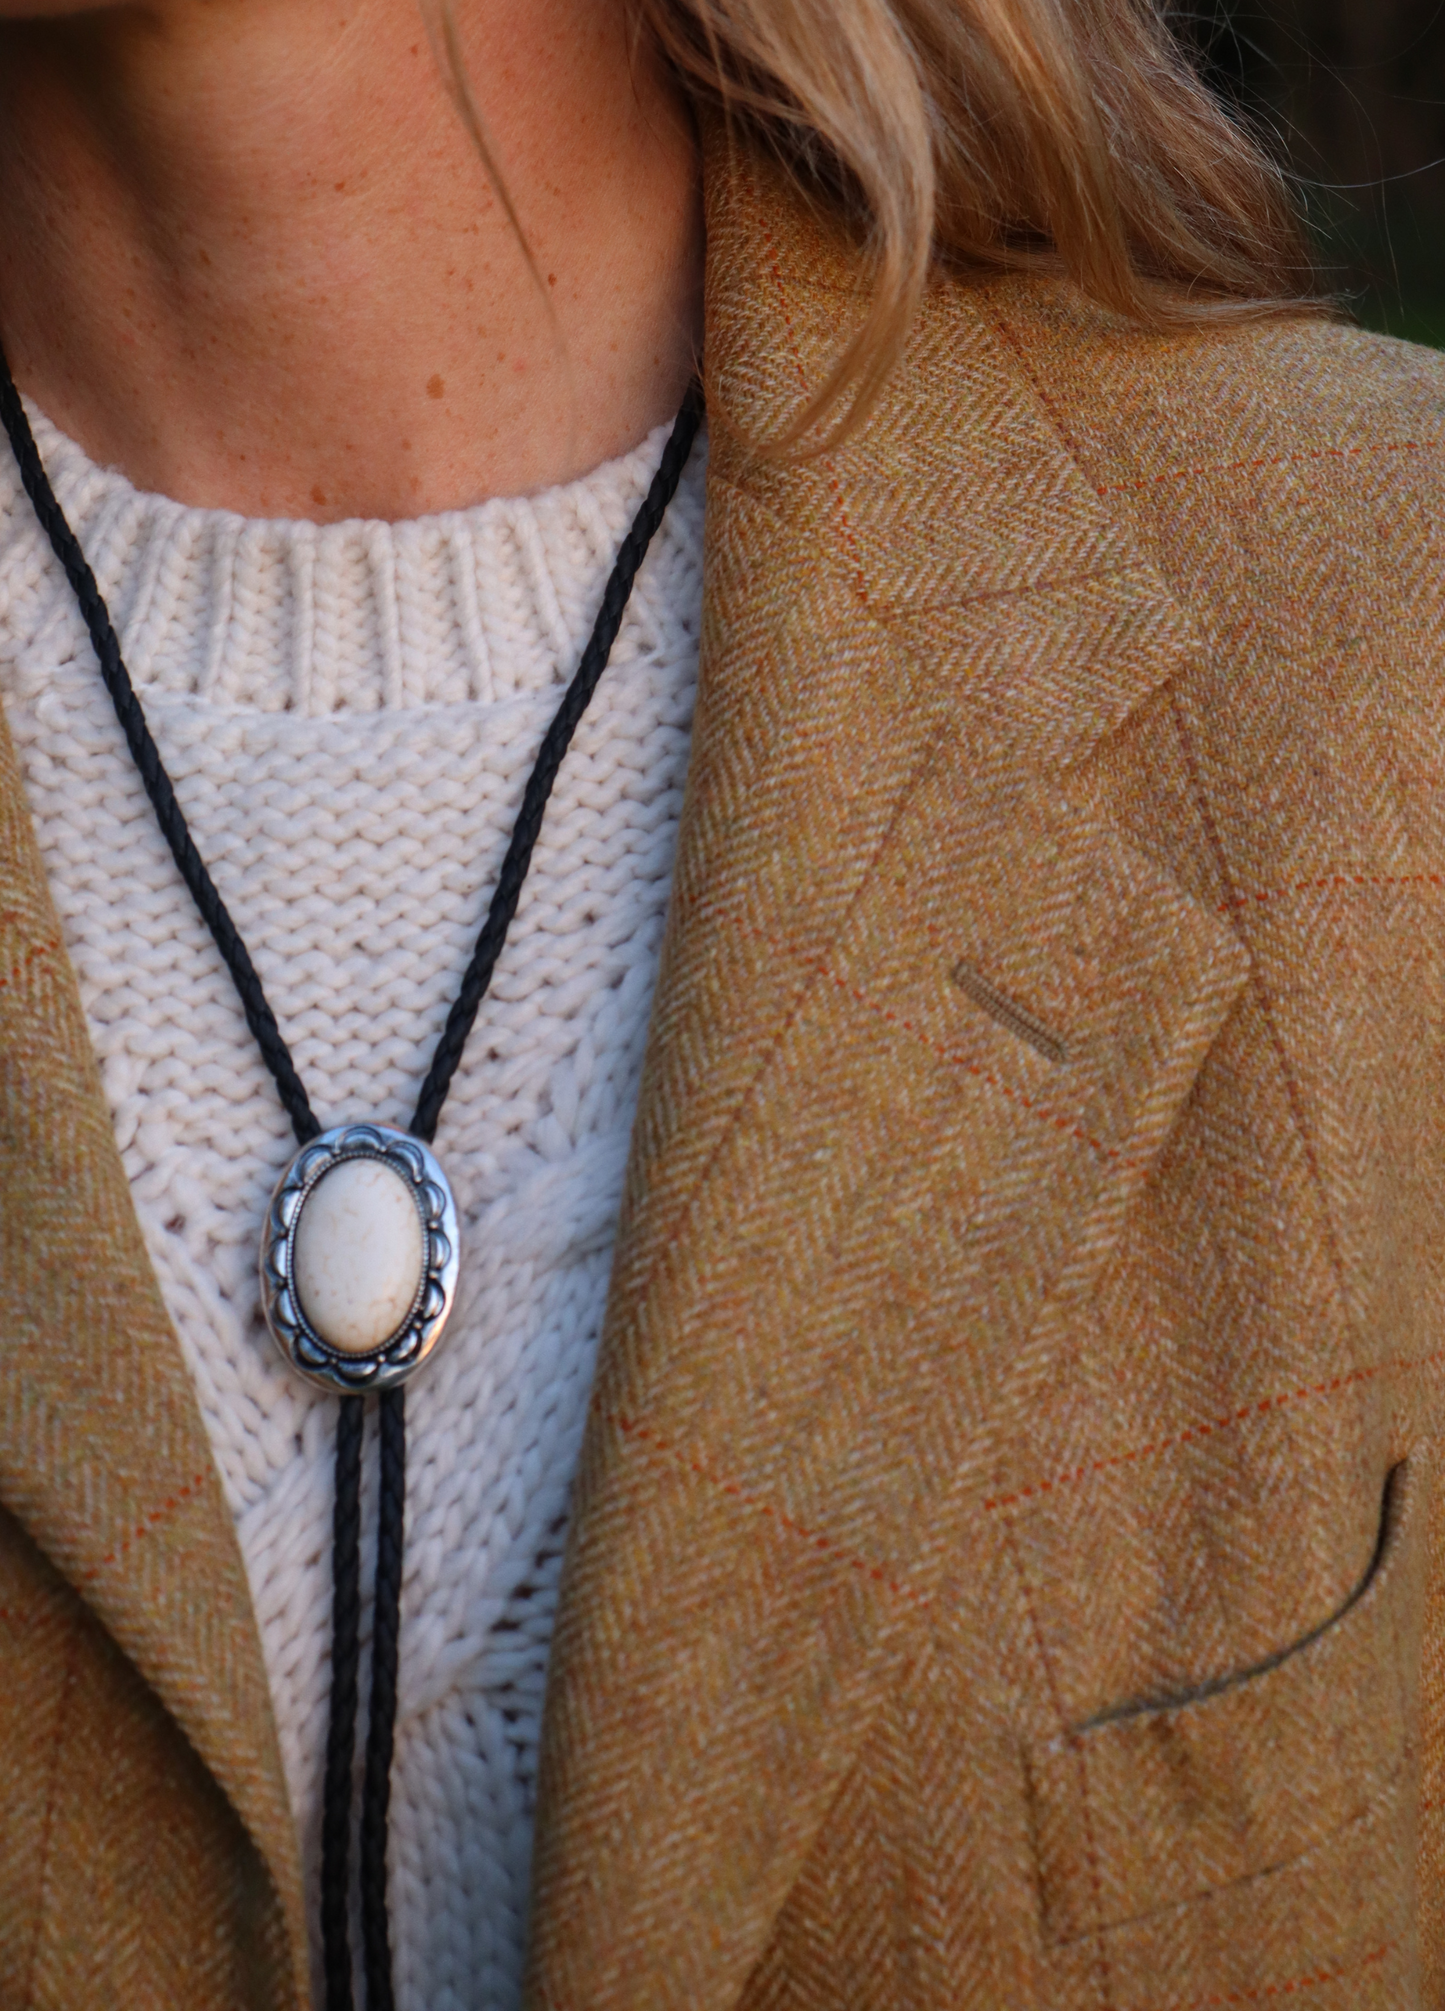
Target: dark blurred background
x=1352, y=94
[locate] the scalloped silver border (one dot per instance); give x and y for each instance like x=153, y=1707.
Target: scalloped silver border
x=403, y=1352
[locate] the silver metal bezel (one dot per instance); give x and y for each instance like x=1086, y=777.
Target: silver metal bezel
x=404, y=1351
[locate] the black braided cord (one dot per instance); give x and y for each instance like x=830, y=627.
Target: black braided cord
x=557, y=740
x=381, y=1726
x=346, y=1522
x=212, y=909
x=341, y=1731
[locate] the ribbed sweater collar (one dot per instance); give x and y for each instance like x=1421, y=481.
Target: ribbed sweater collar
x=281, y=615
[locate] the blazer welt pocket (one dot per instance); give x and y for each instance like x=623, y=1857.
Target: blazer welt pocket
x=1161, y=1802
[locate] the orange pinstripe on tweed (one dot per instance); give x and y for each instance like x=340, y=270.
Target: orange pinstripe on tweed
x=1106, y=665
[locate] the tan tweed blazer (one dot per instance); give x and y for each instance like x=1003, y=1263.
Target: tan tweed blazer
x=1006, y=1564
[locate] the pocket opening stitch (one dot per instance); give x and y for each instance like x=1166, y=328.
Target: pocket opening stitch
x=1199, y=1693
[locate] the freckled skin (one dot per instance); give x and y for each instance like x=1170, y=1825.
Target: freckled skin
x=243, y=245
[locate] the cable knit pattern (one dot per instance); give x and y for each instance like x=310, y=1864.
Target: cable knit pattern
x=349, y=715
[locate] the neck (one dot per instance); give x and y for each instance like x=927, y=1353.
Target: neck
x=250, y=254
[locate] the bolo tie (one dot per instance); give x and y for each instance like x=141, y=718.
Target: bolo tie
x=360, y=1246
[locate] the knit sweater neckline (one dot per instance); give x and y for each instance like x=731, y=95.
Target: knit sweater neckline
x=283, y=615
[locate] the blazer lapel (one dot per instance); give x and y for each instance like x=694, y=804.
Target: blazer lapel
x=103, y=1453
x=921, y=1028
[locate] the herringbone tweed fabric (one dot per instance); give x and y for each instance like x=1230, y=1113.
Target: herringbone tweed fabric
x=1005, y=1567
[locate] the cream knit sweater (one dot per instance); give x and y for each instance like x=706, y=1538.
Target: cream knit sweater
x=349, y=715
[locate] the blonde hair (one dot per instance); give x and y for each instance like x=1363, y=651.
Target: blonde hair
x=1071, y=135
